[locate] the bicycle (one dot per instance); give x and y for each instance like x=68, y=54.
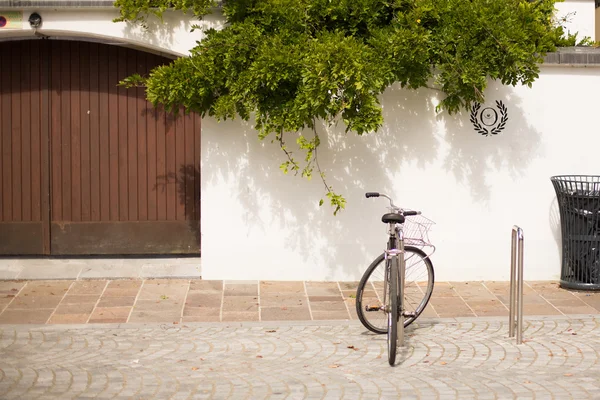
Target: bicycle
x=403, y=284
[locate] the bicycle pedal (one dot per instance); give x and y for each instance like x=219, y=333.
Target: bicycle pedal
x=372, y=308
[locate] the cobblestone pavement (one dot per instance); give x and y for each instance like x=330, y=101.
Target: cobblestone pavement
x=447, y=359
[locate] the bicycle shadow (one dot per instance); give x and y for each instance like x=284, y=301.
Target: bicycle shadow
x=404, y=353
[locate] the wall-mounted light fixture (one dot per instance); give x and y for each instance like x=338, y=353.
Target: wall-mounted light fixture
x=35, y=20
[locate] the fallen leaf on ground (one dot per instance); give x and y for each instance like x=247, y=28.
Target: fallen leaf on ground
x=284, y=308
x=194, y=368
x=175, y=322
x=259, y=356
x=271, y=331
x=352, y=347
x=443, y=363
x=334, y=366
x=568, y=374
x=574, y=333
x=527, y=382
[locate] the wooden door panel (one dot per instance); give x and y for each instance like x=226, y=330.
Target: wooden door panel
x=126, y=180
x=24, y=185
x=125, y=237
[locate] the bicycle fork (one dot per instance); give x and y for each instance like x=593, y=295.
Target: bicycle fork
x=397, y=257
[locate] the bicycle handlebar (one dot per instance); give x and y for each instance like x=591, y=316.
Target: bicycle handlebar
x=405, y=213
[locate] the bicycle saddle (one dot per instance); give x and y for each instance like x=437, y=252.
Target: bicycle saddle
x=393, y=217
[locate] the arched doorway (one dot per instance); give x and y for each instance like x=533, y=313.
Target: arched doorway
x=87, y=167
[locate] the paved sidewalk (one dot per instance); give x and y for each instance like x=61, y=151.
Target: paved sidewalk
x=194, y=300
x=23, y=268
x=444, y=359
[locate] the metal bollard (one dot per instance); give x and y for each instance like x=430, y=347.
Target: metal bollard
x=516, y=277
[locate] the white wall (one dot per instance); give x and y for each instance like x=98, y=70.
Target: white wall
x=582, y=17
x=172, y=37
x=258, y=223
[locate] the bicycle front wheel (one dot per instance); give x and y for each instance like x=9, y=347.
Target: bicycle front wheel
x=419, y=280
x=392, y=312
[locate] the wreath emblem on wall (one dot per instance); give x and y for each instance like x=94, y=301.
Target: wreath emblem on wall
x=490, y=120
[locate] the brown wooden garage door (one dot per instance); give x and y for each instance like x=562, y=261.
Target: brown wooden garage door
x=88, y=167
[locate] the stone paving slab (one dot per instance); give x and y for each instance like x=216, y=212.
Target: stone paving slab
x=195, y=300
x=22, y=268
x=455, y=358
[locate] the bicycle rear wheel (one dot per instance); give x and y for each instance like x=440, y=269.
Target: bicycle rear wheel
x=392, y=314
x=419, y=280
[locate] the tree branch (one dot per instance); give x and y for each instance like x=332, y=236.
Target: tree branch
x=321, y=174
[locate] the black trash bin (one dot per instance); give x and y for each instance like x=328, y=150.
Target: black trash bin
x=579, y=205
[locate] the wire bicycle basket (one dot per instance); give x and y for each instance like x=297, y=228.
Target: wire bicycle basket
x=416, y=231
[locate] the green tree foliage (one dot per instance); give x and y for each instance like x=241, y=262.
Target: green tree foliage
x=289, y=63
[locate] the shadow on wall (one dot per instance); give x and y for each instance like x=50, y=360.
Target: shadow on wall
x=555, y=226
x=163, y=33
x=155, y=32
x=412, y=134
x=471, y=156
